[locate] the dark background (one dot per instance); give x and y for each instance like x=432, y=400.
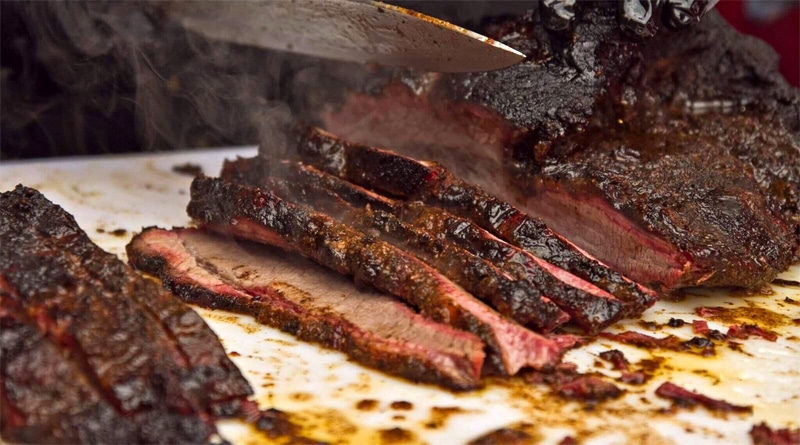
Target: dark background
x=78, y=84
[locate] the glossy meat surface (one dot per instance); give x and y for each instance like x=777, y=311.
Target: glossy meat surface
x=305, y=300
x=136, y=352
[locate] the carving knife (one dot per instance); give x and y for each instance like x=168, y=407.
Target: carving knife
x=350, y=30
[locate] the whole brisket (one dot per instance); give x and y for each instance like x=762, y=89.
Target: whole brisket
x=306, y=300
x=259, y=215
x=138, y=358
x=560, y=134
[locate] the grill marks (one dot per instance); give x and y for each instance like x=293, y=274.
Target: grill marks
x=310, y=302
x=134, y=351
x=260, y=215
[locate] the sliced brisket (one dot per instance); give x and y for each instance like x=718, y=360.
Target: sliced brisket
x=306, y=300
x=260, y=215
x=139, y=352
x=588, y=306
x=401, y=176
x=593, y=95
x=513, y=298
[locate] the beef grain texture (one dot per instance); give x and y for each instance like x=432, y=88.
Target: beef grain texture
x=127, y=350
x=512, y=298
x=258, y=215
x=397, y=175
x=305, y=300
x=715, y=226
x=594, y=96
x=445, y=241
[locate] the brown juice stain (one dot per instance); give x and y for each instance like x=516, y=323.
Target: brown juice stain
x=541, y=407
x=401, y=405
x=366, y=405
x=88, y=194
x=709, y=375
x=301, y=397
x=439, y=415
x=363, y=385
x=121, y=233
x=715, y=369
x=278, y=341
x=157, y=169
x=331, y=426
x=396, y=436
x=220, y=316
x=750, y=314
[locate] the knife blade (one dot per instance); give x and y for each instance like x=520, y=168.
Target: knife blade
x=349, y=30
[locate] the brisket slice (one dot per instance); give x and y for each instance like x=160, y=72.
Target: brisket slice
x=401, y=176
x=144, y=353
x=259, y=215
x=588, y=306
x=508, y=129
x=310, y=302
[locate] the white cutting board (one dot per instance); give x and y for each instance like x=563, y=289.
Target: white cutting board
x=339, y=401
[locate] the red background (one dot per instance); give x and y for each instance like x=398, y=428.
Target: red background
x=782, y=33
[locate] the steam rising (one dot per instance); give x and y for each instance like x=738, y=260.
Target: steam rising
x=83, y=77
x=91, y=69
